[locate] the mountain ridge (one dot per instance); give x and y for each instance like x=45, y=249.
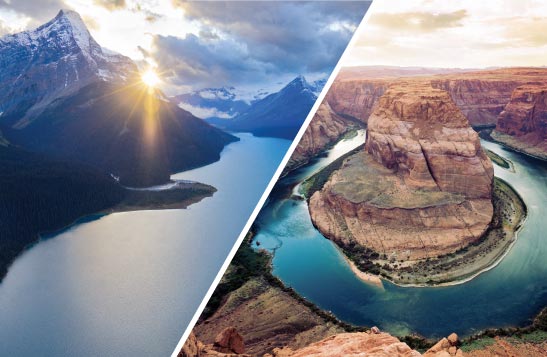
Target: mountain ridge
x=67, y=97
x=279, y=114
x=53, y=61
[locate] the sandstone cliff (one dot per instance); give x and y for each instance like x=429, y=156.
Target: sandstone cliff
x=480, y=94
x=523, y=123
x=419, y=132
x=356, y=98
x=325, y=128
x=266, y=317
x=422, y=188
x=480, y=100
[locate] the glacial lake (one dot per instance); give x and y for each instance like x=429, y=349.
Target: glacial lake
x=127, y=284
x=510, y=294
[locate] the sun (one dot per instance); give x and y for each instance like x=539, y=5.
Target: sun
x=150, y=78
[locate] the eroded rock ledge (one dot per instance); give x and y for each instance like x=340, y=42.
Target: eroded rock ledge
x=421, y=189
x=523, y=123
x=325, y=128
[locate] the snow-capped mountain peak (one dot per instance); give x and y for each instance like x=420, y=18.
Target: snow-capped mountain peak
x=56, y=59
x=79, y=30
x=299, y=81
x=66, y=27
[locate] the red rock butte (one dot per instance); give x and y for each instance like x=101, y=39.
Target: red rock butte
x=421, y=189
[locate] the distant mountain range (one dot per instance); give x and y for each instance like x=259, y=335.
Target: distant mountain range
x=279, y=114
x=212, y=103
x=67, y=97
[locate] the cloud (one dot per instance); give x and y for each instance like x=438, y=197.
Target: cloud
x=111, y=4
x=530, y=31
x=193, y=60
x=249, y=44
x=424, y=22
x=204, y=113
x=4, y=30
x=244, y=42
x=464, y=34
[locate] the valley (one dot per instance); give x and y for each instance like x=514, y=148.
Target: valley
x=278, y=115
x=118, y=273
x=415, y=206
x=41, y=195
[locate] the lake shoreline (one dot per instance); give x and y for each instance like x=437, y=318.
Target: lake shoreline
x=123, y=206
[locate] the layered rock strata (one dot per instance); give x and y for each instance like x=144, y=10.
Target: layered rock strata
x=266, y=317
x=356, y=98
x=423, y=187
x=480, y=95
x=523, y=123
x=324, y=129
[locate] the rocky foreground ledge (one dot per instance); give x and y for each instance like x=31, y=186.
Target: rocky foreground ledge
x=372, y=343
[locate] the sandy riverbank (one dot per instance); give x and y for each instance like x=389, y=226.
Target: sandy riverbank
x=365, y=277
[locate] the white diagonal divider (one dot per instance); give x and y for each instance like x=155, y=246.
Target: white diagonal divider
x=272, y=183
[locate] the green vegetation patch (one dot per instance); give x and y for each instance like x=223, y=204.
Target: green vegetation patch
x=317, y=181
x=534, y=333
x=478, y=344
x=498, y=160
x=180, y=196
x=362, y=179
x=537, y=336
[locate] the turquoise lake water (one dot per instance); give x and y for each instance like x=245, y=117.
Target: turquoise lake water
x=508, y=295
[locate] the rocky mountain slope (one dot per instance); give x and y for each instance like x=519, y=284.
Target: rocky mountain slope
x=67, y=97
x=128, y=133
x=52, y=61
x=422, y=188
x=266, y=317
x=279, y=114
x=372, y=343
x=523, y=123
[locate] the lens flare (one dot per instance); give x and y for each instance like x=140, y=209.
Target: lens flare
x=150, y=78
